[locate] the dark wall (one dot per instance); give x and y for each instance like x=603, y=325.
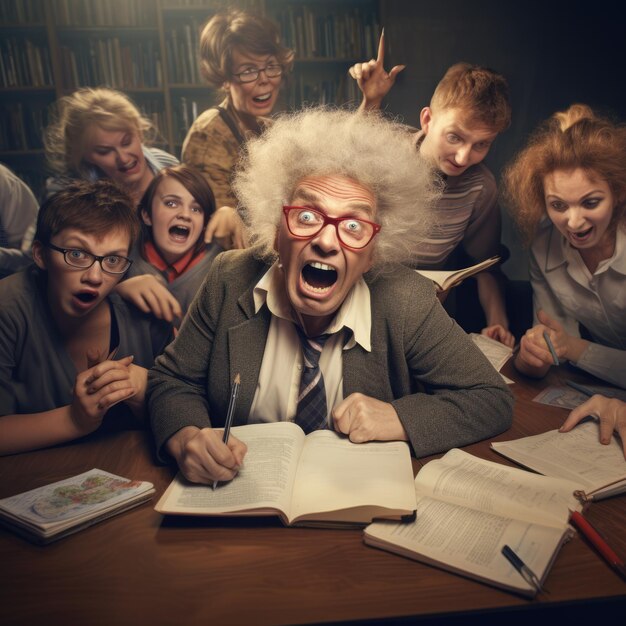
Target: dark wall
x=552, y=53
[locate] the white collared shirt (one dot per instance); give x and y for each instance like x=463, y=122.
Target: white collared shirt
x=275, y=398
x=568, y=292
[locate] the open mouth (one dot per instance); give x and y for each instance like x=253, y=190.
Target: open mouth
x=130, y=166
x=179, y=233
x=262, y=99
x=582, y=234
x=87, y=296
x=319, y=276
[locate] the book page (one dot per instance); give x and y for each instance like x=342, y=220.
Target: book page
x=577, y=455
x=263, y=484
x=335, y=474
x=445, y=279
x=497, y=353
x=470, y=542
x=463, y=479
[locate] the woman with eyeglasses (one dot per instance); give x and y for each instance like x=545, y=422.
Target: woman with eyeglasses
x=71, y=351
x=241, y=55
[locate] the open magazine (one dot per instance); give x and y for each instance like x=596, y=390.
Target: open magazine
x=67, y=506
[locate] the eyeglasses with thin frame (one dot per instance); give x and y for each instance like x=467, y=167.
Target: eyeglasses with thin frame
x=110, y=263
x=274, y=70
x=353, y=233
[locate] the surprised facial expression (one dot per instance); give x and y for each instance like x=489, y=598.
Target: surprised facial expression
x=176, y=218
x=319, y=272
x=580, y=206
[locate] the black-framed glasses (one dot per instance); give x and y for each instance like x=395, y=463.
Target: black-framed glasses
x=305, y=223
x=110, y=263
x=274, y=70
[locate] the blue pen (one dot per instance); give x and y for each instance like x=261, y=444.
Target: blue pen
x=581, y=388
x=555, y=358
x=526, y=573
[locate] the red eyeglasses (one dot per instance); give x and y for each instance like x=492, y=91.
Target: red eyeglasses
x=352, y=232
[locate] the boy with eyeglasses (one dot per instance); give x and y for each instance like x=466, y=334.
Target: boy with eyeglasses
x=72, y=352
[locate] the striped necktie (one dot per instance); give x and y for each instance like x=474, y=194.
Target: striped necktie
x=311, y=410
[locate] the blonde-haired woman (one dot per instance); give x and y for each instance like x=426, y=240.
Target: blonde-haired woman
x=567, y=192
x=99, y=133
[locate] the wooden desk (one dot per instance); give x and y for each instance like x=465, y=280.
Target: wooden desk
x=139, y=568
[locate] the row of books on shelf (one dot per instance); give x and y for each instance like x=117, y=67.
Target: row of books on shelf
x=333, y=91
x=21, y=126
x=320, y=32
x=182, y=50
x=113, y=62
x=24, y=63
x=98, y=13
x=21, y=12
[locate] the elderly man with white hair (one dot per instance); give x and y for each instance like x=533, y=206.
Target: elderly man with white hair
x=333, y=202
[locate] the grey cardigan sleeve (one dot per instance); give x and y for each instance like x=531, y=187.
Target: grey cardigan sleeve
x=452, y=396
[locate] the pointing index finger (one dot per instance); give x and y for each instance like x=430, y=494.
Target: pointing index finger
x=381, y=48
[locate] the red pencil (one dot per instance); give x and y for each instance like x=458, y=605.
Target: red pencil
x=598, y=543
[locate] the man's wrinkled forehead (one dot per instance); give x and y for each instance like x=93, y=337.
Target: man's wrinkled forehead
x=344, y=188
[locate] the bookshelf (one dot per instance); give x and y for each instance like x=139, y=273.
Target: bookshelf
x=149, y=50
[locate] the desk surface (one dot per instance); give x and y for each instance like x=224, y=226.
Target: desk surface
x=142, y=568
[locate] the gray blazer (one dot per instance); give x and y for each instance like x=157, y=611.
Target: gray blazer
x=444, y=390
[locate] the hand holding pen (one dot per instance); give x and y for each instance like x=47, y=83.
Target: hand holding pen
x=230, y=413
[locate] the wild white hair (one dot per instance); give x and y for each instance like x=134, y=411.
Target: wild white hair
x=364, y=147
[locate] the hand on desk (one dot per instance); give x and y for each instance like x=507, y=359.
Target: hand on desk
x=367, y=419
x=203, y=457
x=611, y=413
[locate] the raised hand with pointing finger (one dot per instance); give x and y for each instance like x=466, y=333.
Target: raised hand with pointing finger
x=372, y=78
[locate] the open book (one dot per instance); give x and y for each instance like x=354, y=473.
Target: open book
x=318, y=478
x=468, y=509
x=497, y=353
x=445, y=279
x=599, y=471
x=67, y=506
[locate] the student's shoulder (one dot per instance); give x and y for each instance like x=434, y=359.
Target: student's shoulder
x=160, y=158
x=397, y=282
x=239, y=265
x=19, y=294
x=207, y=120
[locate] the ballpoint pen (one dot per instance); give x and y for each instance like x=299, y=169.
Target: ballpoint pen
x=588, y=391
x=598, y=543
x=230, y=413
x=555, y=358
x=526, y=573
